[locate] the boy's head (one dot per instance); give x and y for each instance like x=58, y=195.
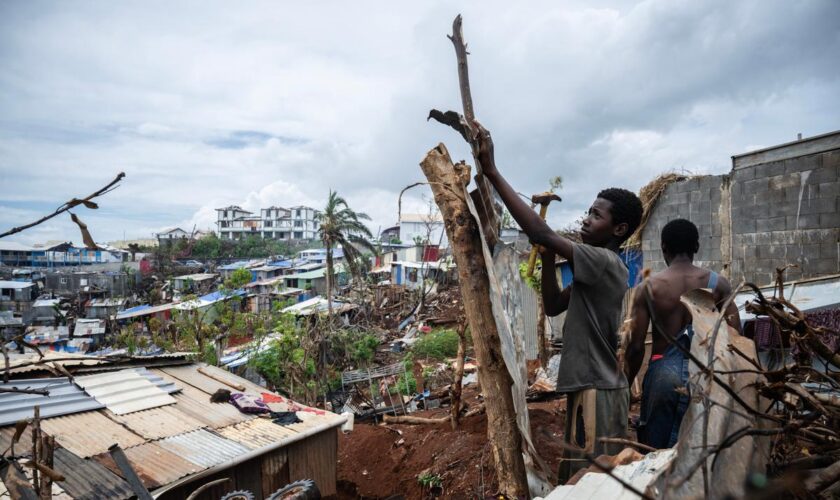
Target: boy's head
x=680, y=237
x=612, y=218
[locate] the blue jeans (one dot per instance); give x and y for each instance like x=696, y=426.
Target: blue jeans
x=663, y=407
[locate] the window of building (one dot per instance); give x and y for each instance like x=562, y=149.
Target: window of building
x=225, y=215
x=282, y=236
x=63, y=281
x=412, y=274
x=298, y=223
x=298, y=235
x=297, y=213
x=267, y=223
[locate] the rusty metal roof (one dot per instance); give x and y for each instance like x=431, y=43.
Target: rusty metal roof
x=160, y=422
x=125, y=391
x=196, y=404
x=189, y=374
x=154, y=465
x=203, y=447
x=90, y=433
x=257, y=433
x=88, y=478
x=64, y=398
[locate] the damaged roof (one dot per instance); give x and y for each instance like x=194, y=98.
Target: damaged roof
x=167, y=444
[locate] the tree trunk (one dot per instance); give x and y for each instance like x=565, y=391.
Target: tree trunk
x=448, y=184
x=459, y=375
x=329, y=282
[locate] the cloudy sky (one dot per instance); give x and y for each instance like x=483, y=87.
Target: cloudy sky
x=205, y=104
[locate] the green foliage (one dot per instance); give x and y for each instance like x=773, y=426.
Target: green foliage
x=209, y=354
x=438, y=344
x=238, y=279
x=429, y=480
x=534, y=281
x=209, y=247
x=339, y=225
x=395, y=240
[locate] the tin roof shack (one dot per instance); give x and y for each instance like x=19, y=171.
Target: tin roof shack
x=263, y=294
x=104, y=308
x=17, y=296
x=174, y=438
x=266, y=272
x=413, y=274
x=777, y=206
x=70, y=284
x=194, y=283
x=46, y=312
x=316, y=281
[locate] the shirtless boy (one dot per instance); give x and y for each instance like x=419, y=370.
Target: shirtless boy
x=658, y=303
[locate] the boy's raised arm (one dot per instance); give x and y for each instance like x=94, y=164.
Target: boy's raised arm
x=537, y=230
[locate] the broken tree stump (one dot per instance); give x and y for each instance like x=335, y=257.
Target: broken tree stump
x=448, y=182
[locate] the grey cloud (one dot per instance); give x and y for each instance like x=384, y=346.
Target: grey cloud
x=208, y=104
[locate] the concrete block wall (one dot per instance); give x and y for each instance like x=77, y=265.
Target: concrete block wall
x=783, y=210
x=698, y=200
x=786, y=212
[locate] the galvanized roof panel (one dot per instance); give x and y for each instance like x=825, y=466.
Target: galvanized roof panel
x=196, y=404
x=90, y=433
x=64, y=398
x=124, y=391
x=88, y=479
x=154, y=465
x=203, y=447
x=160, y=422
x=257, y=433
x=189, y=374
x=167, y=386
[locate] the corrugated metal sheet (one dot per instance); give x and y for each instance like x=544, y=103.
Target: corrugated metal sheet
x=160, y=422
x=124, y=391
x=274, y=468
x=196, y=404
x=64, y=398
x=529, y=310
x=154, y=465
x=203, y=447
x=189, y=375
x=315, y=458
x=90, y=433
x=88, y=479
x=165, y=385
x=257, y=433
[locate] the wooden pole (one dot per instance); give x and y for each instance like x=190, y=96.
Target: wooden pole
x=448, y=183
x=457, y=386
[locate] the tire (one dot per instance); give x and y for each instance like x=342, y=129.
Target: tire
x=238, y=495
x=305, y=489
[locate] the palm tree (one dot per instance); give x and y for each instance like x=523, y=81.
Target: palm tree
x=340, y=225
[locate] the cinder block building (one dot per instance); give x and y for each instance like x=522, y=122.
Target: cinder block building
x=779, y=205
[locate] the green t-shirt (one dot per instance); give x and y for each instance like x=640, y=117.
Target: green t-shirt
x=590, y=333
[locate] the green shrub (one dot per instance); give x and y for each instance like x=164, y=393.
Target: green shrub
x=438, y=344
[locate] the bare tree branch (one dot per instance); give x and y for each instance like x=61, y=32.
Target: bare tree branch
x=70, y=204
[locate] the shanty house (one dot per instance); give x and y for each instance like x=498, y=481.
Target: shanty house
x=174, y=439
x=193, y=283
x=17, y=295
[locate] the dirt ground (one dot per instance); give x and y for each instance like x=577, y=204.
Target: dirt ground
x=376, y=461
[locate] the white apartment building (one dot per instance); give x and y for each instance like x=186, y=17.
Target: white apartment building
x=420, y=227
x=278, y=223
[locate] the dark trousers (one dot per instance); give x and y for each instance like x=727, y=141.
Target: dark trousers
x=665, y=396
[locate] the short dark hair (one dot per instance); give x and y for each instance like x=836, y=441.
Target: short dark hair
x=626, y=208
x=680, y=236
